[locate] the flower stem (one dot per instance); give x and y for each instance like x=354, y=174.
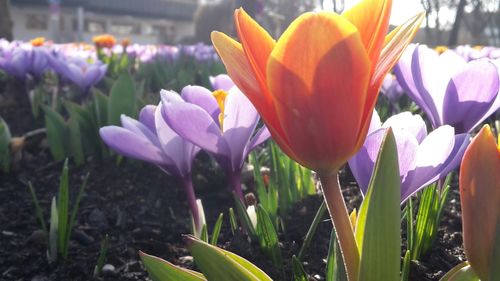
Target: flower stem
x=235, y=184
x=341, y=223
x=191, y=199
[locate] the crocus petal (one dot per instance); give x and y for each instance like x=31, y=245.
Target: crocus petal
x=363, y=162
x=170, y=97
x=132, y=145
x=221, y=82
x=470, y=94
x=429, y=160
x=375, y=122
x=261, y=136
x=139, y=129
x=300, y=72
x=173, y=145
x=147, y=117
x=414, y=124
x=203, y=98
x=480, y=200
x=452, y=162
x=240, y=120
x=372, y=28
x=195, y=125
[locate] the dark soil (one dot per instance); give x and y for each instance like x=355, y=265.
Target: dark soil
x=141, y=208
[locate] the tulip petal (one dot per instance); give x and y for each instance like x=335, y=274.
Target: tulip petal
x=240, y=71
x=257, y=43
x=307, y=71
x=470, y=94
x=480, y=200
x=195, y=125
x=373, y=27
x=132, y=145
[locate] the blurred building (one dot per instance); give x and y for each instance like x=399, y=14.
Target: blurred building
x=143, y=21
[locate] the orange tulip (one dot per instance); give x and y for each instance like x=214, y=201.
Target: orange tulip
x=480, y=200
x=316, y=87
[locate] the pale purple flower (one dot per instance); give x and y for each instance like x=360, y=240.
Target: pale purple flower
x=221, y=82
x=81, y=72
x=391, y=88
x=448, y=89
x=423, y=159
x=228, y=137
x=150, y=139
x=19, y=62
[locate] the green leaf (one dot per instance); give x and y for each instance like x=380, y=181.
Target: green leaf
x=100, y=103
x=53, y=232
x=461, y=272
x=405, y=272
x=76, y=206
x=102, y=256
x=75, y=141
x=299, y=274
x=62, y=208
x=232, y=221
x=121, y=99
x=335, y=269
x=161, y=270
x=268, y=237
x=218, y=264
x=379, y=220
x=217, y=228
x=38, y=209
x=244, y=218
x=312, y=229
x=204, y=233
x=5, y=138
x=57, y=133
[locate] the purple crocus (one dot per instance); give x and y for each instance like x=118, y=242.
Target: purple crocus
x=19, y=62
x=448, y=89
x=150, y=139
x=391, y=88
x=83, y=73
x=222, y=123
x=423, y=159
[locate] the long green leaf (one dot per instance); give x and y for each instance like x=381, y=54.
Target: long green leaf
x=381, y=247
x=299, y=274
x=75, y=209
x=38, y=209
x=161, y=270
x=5, y=138
x=122, y=99
x=405, y=272
x=335, y=269
x=57, y=134
x=217, y=228
x=244, y=218
x=268, y=237
x=53, y=233
x=63, y=210
x=218, y=264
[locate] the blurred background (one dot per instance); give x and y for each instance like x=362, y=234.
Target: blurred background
x=448, y=22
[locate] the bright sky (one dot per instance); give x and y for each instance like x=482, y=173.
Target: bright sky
x=401, y=9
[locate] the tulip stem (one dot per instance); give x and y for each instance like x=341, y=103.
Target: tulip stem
x=235, y=185
x=191, y=199
x=341, y=223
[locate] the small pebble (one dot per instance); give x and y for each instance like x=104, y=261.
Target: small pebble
x=186, y=259
x=108, y=270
